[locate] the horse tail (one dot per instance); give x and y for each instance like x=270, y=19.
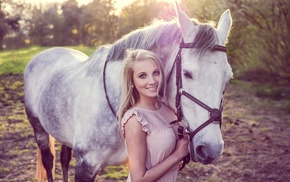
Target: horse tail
x=41, y=174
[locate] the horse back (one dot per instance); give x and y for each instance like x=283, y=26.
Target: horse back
x=44, y=65
x=46, y=61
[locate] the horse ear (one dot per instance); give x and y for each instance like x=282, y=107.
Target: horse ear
x=224, y=27
x=185, y=24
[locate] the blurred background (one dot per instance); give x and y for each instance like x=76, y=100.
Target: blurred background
x=258, y=46
x=256, y=114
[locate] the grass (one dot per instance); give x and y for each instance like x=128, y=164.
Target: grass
x=116, y=173
x=14, y=61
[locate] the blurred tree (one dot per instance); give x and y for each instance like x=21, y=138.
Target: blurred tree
x=268, y=34
x=142, y=12
x=98, y=22
x=46, y=25
x=71, y=25
x=204, y=10
x=9, y=23
x=259, y=41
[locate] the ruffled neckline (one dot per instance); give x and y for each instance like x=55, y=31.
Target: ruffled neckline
x=139, y=108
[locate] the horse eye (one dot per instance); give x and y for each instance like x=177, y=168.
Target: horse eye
x=187, y=74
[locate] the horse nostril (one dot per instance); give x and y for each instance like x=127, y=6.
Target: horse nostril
x=201, y=152
x=202, y=155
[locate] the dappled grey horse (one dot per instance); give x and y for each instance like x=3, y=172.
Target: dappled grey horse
x=74, y=98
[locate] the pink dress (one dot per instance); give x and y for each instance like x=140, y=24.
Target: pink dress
x=161, y=136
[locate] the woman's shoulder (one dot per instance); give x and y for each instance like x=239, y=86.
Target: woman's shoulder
x=133, y=112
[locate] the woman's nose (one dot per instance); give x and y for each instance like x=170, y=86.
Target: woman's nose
x=152, y=80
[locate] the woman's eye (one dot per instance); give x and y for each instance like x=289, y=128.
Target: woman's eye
x=187, y=75
x=157, y=72
x=142, y=76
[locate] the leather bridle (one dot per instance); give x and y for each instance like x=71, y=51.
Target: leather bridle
x=215, y=114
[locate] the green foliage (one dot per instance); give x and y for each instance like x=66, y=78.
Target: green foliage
x=9, y=23
x=45, y=27
x=71, y=23
x=142, y=12
x=14, y=61
x=258, y=44
x=98, y=22
x=204, y=10
x=259, y=41
x=264, y=36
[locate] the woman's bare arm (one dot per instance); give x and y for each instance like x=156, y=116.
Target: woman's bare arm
x=137, y=152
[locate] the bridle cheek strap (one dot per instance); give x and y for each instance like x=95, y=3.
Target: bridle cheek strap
x=215, y=114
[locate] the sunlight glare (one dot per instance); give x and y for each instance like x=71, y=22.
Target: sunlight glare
x=119, y=3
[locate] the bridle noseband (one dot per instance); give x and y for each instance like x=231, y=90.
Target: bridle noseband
x=215, y=114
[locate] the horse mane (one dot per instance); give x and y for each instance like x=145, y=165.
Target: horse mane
x=161, y=33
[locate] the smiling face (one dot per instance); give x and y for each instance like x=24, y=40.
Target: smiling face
x=146, y=78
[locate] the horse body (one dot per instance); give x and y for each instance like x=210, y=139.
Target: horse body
x=65, y=93
x=71, y=102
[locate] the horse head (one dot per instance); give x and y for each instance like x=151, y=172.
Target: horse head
x=201, y=79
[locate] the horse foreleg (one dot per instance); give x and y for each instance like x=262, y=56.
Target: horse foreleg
x=45, y=143
x=65, y=157
x=47, y=160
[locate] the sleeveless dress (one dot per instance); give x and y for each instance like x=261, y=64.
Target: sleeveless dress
x=161, y=136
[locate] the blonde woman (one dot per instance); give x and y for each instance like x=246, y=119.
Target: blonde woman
x=153, y=147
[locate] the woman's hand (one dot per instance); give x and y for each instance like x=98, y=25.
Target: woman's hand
x=181, y=149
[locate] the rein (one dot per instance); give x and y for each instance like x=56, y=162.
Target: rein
x=105, y=88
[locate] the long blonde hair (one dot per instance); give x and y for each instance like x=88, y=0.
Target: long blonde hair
x=129, y=94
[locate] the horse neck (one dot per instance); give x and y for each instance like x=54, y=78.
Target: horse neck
x=95, y=63
x=113, y=70
x=168, y=55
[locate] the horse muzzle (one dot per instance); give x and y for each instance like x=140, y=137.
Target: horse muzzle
x=205, y=153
